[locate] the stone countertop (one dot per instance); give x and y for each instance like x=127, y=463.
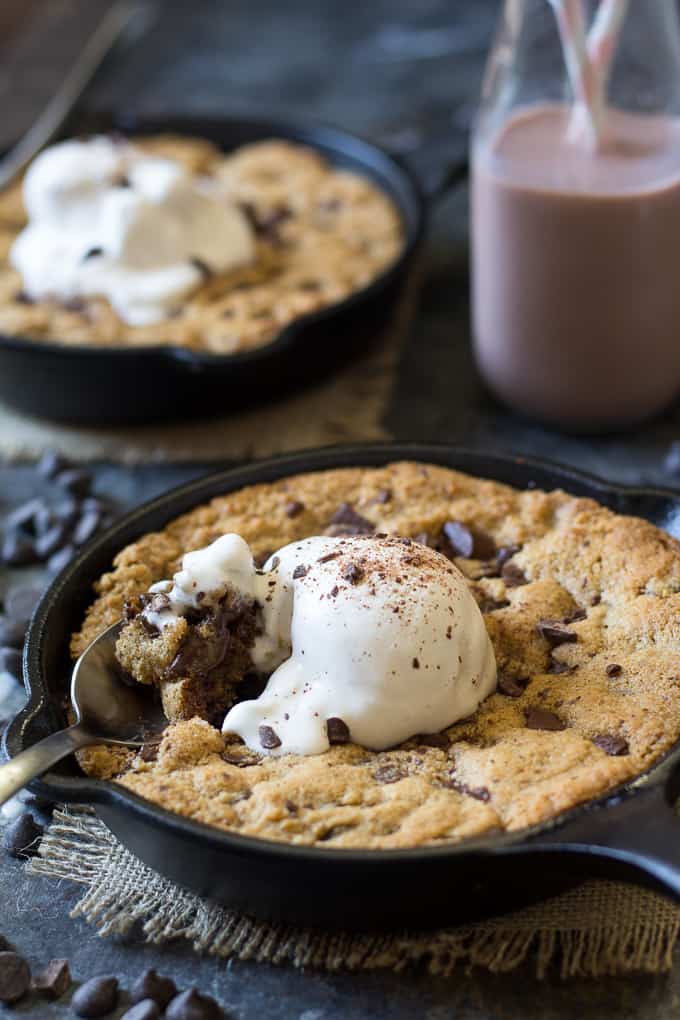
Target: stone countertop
x=407, y=72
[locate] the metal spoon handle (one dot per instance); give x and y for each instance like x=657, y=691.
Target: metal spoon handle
x=37, y=759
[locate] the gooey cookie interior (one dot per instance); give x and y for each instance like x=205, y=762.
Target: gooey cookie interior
x=581, y=606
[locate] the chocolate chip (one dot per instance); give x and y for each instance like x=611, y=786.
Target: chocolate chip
x=86, y=527
x=149, y=752
x=75, y=481
x=352, y=573
x=346, y=521
x=240, y=758
x=191, y=1005
x=337, y=730
x=555, y=668
x=334, y=591
x=328, y=557
x=389, y=774
x=575, y=616
x=12, y=633
x=541, y=719
x=467, y=541
x=300, y=571
x=477, y=792
x=15, y=977
x=10, y=662
x=416, y=664
x=513, y=575
x=613, y=669
x=51, y=463
x=506, y=552
x=269, y=738
x=17, y=550
x=145, y=1009
x=433, y=740
x=61, y=559
x=511, y=686
x=22, y=837
x=556, y=632
x=51, y=541
x=293, y=508
x=611, y=744
x=93, y=253
x=96, y=997
x=204, y=269
x=54, y=980
x=383, y=496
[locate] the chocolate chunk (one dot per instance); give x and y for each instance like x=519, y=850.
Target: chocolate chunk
x=511, y=686
x=416, y=664
x=17, y=550
x=15, y=977
x=191, y=1005
x=10, y=662
x=51, y=541
x=595, y=600
x=151, y=985
x=75, y=481
x=86, y=527
x=240, y=758
x=328, y=557
x=145, y=1009
x=346, y=521
x=96, y=997
x=556, y=632
x=541, y=719
x=389, y=774
x=477, y=792
x=337, y=730
x=54, y=981
x=204, y=269
x=334, y=591
x=293, y=508
x=61, y=559
x=12, y=633
x=513, y=575
x=487, y=604
x=352, y=573
x=51, y=463
x=611, y=744
x=613, y=669
x=22, y=837
x=506, y=552
x=197, y=655
x=269, y=738
x=433, y=740
x=555, y=668
x=575, y=616
x=467, y=541
x=93, y=253
x=383, y=496
x=300, y=571
x=149, y=752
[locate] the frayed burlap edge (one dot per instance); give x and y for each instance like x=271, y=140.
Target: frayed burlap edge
x=600, y=928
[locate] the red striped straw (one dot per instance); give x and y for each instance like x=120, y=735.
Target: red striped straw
x=602, y=40
x=571, y=23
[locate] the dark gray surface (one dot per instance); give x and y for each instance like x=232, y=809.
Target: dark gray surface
x=407, y=70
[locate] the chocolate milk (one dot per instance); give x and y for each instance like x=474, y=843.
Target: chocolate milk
x=576, y=267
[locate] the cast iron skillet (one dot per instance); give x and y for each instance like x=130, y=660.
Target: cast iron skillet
x=122, y=385
x=631, y=834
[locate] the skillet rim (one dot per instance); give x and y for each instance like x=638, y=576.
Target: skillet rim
x=95, y=791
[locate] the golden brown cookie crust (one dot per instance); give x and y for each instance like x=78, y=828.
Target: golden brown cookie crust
x=323, y=234
x=563, y=738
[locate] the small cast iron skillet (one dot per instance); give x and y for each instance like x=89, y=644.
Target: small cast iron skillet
x=632, y=833
x=123, y=385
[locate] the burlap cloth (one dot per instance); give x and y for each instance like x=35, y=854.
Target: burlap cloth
x=599, y=928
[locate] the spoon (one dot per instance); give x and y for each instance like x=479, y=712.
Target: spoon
x=107, y=711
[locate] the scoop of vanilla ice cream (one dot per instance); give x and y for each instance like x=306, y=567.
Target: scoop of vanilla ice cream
x=106, y=220
x=380, y=633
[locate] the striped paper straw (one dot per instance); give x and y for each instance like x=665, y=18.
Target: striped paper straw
x=602, y=40
x=571, y=23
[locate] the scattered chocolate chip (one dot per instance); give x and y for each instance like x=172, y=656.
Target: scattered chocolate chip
x=75, y=481
x=337, y=730
x=613, y=669
x=541, y=719
x=12, y=633
x=477, y=792
x=86, y=527
x=383, y=496
x=17, y=550
x=269, y=738
x=21, y=837
x=468, y=542
x=54, y=980
x=300, y=571
x=334, y=591
x=240, y=758
x=611, y=744
x=555, y=668
x=389, y=774
x=15, y=977
x=575, y=616
x=51, y=540
x=61, y=559
x=293, y=508
x=93, y=253
x=352, y=573
x=556, y=632
x=145, y=1009
x=204, y=269
x=416, y=664
x=149, y=752
x=10, y=662
x=191, y=1005
x=346, y=521
x=96, y=997
x=512, y=686
x=506, y=552
x=513, y=575
x=433, y=740
x=291, y=807
x=51, y=463
x=328, y=557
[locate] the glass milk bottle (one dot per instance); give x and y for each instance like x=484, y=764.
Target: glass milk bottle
x=575, y=212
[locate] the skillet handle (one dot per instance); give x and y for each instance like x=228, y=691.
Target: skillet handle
x=637, y=837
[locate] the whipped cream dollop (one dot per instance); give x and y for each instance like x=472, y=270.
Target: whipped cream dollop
x=367, y=639
x=107, y=220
